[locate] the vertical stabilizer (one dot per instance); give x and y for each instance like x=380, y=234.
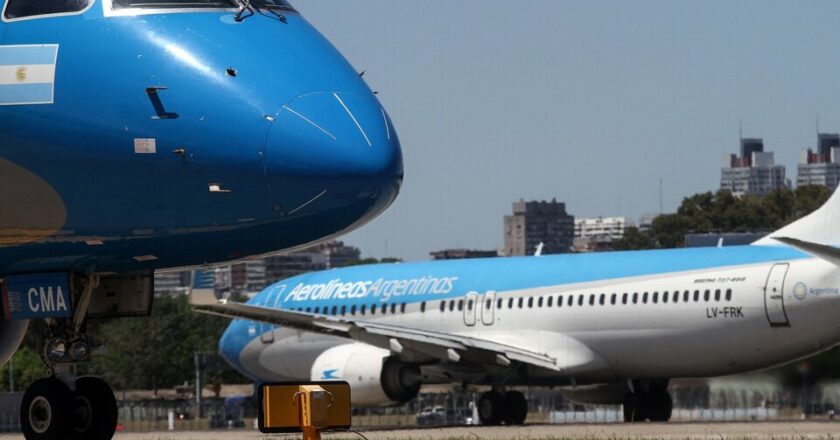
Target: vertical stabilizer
x=821, y=226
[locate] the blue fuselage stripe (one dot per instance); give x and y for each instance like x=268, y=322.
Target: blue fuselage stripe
x=25, y=55
x=24, y=93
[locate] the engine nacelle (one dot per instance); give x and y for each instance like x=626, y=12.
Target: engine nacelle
x=376, y=378
x=598, y=394
x=11, y=335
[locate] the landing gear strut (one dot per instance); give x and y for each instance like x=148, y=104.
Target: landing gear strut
x=63, y=406
x=495, y=408
x=649, y=400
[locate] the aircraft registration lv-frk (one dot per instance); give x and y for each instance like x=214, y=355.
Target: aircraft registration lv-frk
x=603, y=327
x=138, y=135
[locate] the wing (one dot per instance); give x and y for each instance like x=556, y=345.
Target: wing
x=409, y=343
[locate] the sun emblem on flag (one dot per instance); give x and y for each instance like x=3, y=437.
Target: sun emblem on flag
x=21, y=74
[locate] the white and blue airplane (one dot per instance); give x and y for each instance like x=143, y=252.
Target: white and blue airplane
x=142, y=135
x=608, y=328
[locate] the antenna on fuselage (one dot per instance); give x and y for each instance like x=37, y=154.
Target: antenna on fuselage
x=538, y=252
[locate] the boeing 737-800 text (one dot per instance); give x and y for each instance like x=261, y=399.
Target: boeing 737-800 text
x=603, y=327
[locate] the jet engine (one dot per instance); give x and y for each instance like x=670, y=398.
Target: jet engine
x=11, y=335
x=376, y=378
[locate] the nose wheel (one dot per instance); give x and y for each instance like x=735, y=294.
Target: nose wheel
x=51, y=411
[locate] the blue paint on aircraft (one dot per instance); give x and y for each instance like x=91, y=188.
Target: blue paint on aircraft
x=264, y=138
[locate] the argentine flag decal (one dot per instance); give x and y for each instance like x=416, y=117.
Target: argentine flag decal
x=27, y=74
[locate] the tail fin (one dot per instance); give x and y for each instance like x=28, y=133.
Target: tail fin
x=821, y=226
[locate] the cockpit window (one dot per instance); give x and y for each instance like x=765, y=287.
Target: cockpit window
x=184, y=4
x=29, y=8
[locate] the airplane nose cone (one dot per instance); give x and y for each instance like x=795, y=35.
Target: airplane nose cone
x=328, y=151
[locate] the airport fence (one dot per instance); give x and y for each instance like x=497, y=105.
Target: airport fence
x=693, y=402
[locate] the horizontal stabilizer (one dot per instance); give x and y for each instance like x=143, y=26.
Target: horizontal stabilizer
x=827, y=253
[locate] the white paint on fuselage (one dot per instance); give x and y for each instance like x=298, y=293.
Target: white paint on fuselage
x=607, y=342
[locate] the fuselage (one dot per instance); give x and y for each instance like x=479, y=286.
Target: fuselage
x=607, y=316
x=178, y=136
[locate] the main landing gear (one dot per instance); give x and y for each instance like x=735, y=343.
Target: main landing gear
x=495, y=408
x=62, y=406
x=648, y=400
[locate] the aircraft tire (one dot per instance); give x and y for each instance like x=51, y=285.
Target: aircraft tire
x=661, y=406
x=516, y=408
x=635, y=408
x=45, y=410
x=94, y=410
x=490, y=408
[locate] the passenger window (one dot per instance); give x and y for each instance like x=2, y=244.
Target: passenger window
x=308, y=309
x=612, y=299
x=635, y=297
x=717, y=294
x=664, y=297
x=402, y=308
x=353, y=310
x=591, y=299
x=580, y=300
x=521, y=302
x=384, y=309
x=29, y=8
x=706, y=295
x=334, y=310
x=373, y=309
x=624, y=298
x=549, y=301
x=362, y=310
x=499, y=303
x=317, y=310
x=540, y=302
x=644, y=298
x=442, y=306
x=571, y=301
x=530, y=302
x=685, y=296
x=655, y=297
x=460, y=305
x=343, y=310
x=510, y=303
x=469, y=305
x=601, y=299
x=676, y=297
x=729, y=294
x=696, y=295
x=451, y=305
x=422, y=307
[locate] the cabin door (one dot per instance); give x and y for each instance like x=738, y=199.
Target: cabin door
x=774, y=298
x=469, y=308
x=272, y=300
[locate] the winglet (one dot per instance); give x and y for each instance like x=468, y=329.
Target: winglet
x=827, y=253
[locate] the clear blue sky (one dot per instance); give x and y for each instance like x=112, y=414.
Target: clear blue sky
x=591, y=102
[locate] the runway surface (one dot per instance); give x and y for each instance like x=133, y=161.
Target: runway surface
x=674, y=431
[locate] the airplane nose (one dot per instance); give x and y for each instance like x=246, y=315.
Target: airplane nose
x=329, y=150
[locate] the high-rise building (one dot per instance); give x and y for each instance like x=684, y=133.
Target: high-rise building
x=536, y=222
x=248, y=276
x=821, y=167
x=754, y=172
x=600, y=228
x=462, y=254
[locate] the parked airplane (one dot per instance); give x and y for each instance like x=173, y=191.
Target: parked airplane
x=137, y=135
x=605, y=328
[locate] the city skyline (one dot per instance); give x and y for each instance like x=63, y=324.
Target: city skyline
x=591, y=103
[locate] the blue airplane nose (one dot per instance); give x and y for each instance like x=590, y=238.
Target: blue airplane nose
x=340, y=147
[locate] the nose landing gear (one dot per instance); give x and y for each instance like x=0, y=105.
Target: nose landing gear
x=63, y=406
